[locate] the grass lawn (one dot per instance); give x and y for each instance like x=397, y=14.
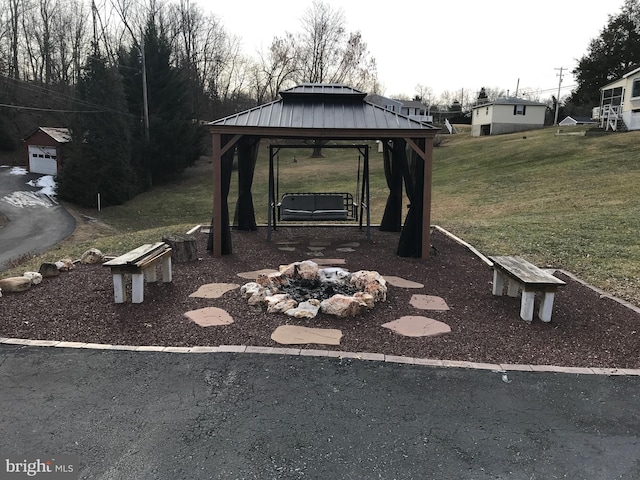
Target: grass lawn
x=565, y=201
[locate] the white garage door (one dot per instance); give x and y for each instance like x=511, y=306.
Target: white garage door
x=43, y=160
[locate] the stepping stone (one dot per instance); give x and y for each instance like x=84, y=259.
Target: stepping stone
x=319, y=243
x=401, y=282
x=350, y=244
x=296, y=335
x=314, y=253
x=287, y=249
x=288, y=242
x=214, y=290
x=345, y=249
x=209, y=317
x=254, y=274
x=328, y=261
x=411, y=326
x=428, y=302
x=316, y=249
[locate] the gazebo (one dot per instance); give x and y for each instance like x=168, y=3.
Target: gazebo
x=323, y=112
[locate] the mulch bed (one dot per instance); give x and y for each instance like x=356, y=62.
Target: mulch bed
x=587, y=330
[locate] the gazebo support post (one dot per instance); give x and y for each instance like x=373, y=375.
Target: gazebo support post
x=217, y=195
x=427, y=157
x=426, y=197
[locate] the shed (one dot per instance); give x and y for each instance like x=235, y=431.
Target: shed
x=44, y=148
x=323, y=112
x=571, y=121
x=507, y=115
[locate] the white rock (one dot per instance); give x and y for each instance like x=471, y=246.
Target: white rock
x=370, y=282
x=308, y=309
x=92, y=256
x=343, y=306
x=34, y=277
x=279, y=303
x=335, y=275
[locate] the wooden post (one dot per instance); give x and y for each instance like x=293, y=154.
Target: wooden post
x=217, y=195
x=426, y=197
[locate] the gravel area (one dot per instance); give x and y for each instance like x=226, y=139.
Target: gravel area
x=587, y=330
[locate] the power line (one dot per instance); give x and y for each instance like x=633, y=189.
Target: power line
x=24, y=107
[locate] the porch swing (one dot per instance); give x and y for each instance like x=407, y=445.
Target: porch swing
x=318, y=206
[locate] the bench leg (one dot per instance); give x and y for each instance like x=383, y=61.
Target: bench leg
x=119, y=292
x=512, y=289
x=526, y=306
x=546, y=307
x=150, y=274
x=166, y=269
x=137, y=287
x=498, y=282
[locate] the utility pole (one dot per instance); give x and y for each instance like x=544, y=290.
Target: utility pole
x=145, y=99
x=555, y=121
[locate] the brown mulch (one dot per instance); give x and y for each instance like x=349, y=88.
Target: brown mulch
x=587, y=329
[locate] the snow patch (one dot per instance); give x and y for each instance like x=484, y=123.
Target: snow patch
x=46, y=184
x=18, y=171
x=27, y=199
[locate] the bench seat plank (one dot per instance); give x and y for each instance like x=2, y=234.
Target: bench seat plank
x=525, y=272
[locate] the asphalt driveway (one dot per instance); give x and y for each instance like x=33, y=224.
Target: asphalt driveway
x=35, y=221
x=151, y=415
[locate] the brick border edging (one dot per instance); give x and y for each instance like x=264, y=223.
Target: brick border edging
x=493, y=367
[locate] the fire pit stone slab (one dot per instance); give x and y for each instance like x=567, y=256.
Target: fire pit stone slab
x=415, y=326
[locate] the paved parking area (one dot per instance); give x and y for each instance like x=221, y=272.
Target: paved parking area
x=160, y=415
x=32, y=222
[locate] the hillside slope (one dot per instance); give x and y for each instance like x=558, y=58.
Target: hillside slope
x=559, y=200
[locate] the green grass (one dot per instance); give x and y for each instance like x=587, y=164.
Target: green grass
x=564, y=201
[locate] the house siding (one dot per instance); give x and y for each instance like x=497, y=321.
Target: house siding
x=501, y=119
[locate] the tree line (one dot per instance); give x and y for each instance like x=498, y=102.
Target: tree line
x=134, y=78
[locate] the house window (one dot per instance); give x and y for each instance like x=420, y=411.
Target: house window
x=635, y=89
x=519, y=109
x=486, y=112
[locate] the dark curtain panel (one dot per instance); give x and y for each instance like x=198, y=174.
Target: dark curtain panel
x=410, y=244
x=245, y=217
x=395, y=158
x=225, y=180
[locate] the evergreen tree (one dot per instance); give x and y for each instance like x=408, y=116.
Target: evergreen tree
x=615, y=52
x=99, y=156
x=174, y=137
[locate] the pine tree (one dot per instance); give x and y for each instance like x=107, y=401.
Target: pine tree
x=99, y=157
x=174, y=138
x=615, y=52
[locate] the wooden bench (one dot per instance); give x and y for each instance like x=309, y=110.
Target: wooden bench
x=141, y=264
x=316, y=206
x=521, y=274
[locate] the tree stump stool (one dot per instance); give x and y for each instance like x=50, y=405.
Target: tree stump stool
x=183, y=246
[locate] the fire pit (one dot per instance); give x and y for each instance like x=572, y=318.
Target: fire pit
x=302, y=289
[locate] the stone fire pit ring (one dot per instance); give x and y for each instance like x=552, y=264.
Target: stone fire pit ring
x=302, y=289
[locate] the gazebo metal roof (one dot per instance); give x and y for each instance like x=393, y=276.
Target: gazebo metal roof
x=320, y=112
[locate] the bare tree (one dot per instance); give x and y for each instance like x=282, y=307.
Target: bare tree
x=274, y=68
x=329, y=54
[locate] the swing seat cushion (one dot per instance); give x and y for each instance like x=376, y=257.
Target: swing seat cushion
x=312, y=206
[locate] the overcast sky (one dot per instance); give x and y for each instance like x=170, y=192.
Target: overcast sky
x=444, y=44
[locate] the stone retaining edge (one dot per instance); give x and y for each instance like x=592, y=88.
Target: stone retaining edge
x=364, y=356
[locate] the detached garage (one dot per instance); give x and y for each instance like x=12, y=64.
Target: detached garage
x=45, y=147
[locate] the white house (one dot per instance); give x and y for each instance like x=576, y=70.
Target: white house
x=620, y=103
x=506, y=115
x=413, y=109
